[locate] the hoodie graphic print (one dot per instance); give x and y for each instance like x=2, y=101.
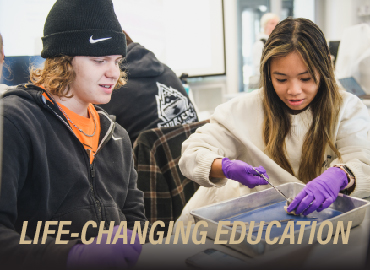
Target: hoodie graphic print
x=173, y=107
x=152, y=97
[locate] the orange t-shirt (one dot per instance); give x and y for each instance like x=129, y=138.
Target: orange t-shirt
x=87, y=125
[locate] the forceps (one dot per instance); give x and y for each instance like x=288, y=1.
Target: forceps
x=289, y=200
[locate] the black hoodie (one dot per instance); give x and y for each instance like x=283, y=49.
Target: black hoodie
x=153, y=96
x=47, y=176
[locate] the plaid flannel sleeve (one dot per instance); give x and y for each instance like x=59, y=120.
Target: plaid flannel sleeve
x=156, y=155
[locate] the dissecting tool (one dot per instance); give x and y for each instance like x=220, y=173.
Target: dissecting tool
x=289, y=200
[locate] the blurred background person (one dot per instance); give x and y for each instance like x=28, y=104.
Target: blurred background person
x=267, y=23
x=353, y=60
x=2, y=57
x=153, y=96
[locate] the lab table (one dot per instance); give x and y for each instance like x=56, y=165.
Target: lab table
x=350, y=256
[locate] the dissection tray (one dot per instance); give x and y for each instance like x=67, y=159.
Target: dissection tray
x=268, y=206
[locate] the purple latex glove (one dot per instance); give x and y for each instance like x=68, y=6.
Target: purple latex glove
x=104, y=255
x=320, y=193
x=242, y=172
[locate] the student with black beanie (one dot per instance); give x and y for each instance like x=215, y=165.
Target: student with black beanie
x=64, y=160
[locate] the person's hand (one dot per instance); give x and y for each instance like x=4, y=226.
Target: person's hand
x=104, y=255
x=242, y=172
x=320, y=193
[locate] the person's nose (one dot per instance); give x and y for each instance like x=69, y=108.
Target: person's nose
x=113, y=71
x=294, y=88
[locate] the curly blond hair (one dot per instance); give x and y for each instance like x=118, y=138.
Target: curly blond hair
x=57, y=75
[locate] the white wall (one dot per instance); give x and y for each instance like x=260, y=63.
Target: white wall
x=210, y=92
x=339, y=14
x=23, y=27
x=275, y=6
x=304, y=9
x=230, y=7
x=333, y=16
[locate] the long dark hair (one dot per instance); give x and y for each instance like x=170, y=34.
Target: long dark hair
x=305, y=38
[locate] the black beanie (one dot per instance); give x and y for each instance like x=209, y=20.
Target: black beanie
x=83, y=28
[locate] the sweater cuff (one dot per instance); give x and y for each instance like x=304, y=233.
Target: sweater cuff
x=361, y=180
x=201, y=174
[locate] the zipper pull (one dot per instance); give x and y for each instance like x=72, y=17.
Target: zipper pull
x=92, y=170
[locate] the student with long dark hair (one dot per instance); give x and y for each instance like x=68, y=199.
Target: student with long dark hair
x=299, y=127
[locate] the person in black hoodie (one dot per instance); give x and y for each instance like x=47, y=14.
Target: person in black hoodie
x=64, y=159
x=152, y=97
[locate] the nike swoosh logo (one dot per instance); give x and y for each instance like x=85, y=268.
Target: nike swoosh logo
x=92, y=41
x=116, y=139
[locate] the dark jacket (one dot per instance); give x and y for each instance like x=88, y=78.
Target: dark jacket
x=47, y=176
x=153, y=96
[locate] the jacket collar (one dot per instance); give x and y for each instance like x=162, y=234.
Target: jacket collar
x=107, y=126
x=34, y=93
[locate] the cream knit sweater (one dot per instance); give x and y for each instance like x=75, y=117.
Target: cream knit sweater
x=235, y=131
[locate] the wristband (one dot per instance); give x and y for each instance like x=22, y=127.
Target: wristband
x=350, y=177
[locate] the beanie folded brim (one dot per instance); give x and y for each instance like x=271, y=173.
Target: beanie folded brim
x=94, y=42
